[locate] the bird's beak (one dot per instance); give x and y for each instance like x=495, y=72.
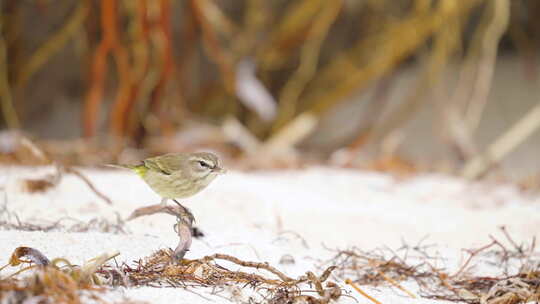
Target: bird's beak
x=219, y=170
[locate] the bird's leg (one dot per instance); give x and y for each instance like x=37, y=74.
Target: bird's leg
x=163, y=202
x=195, y=231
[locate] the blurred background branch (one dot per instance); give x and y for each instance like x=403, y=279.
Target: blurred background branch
x=318, y=76
x=10, y=115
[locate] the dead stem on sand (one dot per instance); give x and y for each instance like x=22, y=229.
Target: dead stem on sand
x=183, y=227
x=88, y=183
x=9, y=220
x=36, y=185
x=360, y=291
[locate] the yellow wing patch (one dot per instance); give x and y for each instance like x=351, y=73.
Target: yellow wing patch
x=140, y=170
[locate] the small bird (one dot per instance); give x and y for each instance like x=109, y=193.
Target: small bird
x=178, y=175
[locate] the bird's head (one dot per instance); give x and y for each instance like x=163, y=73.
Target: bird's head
x=204, y=164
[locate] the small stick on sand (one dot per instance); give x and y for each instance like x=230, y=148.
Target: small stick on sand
x=256, y=265
x=360, y=291
x=472, y=254
x=54, y=180
x=396, y=284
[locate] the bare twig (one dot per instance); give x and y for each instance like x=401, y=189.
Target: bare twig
x=472, y=254
x=511, y=240
x=296, y=234
x=256, y=265
x=360, y=291
x=396, y=284
x=85, y=179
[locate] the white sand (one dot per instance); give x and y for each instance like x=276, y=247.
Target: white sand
x=257, y=216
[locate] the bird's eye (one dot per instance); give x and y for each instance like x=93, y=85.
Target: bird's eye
x=204, y=164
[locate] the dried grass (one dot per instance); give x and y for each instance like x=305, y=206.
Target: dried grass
x=272, y=286
x=59, y=280
x=9, y=220
x=56, y=281
x=415, y=264
x=47, y=281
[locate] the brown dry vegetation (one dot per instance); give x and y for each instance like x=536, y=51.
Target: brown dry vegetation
x=517, y=279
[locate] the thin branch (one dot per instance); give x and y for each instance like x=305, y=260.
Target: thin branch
x=472, y=254
x=88, y=183
x=503, y=145
x=309, y=59
x=257, y=265
x=486, y=66
x=8, y=109
x=396, y=284
x=360, y=291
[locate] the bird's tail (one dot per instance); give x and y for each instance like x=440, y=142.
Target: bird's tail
x=121, y=166
x=139, y=169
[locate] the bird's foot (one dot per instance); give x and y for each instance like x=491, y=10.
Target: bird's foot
x=185, y=212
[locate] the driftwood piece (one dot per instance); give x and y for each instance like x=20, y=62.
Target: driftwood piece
x=183, y=226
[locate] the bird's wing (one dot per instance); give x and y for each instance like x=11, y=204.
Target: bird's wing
x=167, y=164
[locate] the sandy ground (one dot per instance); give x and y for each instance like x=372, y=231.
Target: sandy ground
x=264, y=216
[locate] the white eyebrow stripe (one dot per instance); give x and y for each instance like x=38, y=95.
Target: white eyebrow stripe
x=208, y=162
